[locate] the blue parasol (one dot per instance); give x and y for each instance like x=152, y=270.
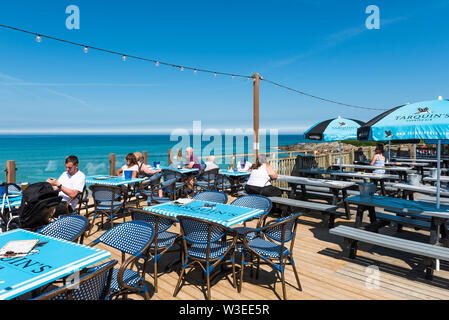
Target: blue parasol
x=337, y=129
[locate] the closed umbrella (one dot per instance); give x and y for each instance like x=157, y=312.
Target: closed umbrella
x=336, y=129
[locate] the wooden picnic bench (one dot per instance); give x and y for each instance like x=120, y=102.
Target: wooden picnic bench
x=287, y=204
x=430, y=252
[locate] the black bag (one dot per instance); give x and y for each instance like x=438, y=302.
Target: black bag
x=38, y=203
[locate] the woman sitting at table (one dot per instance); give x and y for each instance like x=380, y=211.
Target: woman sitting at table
x=143, y=169
x=259, y=181
x=131, y=164
x=378, y=159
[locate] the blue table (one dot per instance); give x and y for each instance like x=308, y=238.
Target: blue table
x=438, y=217
x=227, y=215
x=182, y=170
x=56, y=259
x=111, y=180
x=235, y=178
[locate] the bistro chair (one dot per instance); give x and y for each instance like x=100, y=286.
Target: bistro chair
x=212, y=196
x=93, y=285
x=205, y=244
x=131, y=238
x=270, y=245
x=67, y=227
x=108, y=201
x=223, y=183
x=147, y=187
x=83, y=202
x=163, y=239
x=252, y=201
x=207, y=180
x=170, y=185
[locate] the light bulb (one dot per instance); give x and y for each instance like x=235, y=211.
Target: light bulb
x=182, y=68
x=440, y=98
x=38, y=39
x=157, y=63
x=124, y=58
x=86, y=49
x=195, y=71
x=215, y=74
x=233, y=76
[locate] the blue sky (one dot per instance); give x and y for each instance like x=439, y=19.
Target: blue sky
x=319, y=47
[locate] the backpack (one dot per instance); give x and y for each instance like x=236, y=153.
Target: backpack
x=38, y=203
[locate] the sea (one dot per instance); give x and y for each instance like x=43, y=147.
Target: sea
x=38, y=157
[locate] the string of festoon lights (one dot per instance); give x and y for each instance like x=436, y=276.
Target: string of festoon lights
x=157, y=63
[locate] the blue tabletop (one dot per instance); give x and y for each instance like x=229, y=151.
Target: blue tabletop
x=56, y=259
x=182, y=170
x=227, y=215
x=234, y=173
x=111, y=180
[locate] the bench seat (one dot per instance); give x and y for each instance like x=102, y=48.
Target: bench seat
x=429, y=251
x=308, y=205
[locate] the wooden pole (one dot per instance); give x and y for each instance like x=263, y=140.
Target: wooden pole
x=170, y=156
x=145, y=157
x=112, y=164
x=10, y=171
x=256, y=114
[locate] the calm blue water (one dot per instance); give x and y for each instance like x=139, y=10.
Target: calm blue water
x=39, y=157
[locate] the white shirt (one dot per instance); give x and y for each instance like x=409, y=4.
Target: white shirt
x=259, y=177
x=132, y=168
x=245, y=168
x=75, y=182
x=210, y=165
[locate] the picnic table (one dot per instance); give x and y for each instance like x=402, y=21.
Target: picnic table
x=443, y=179
x=438, y=217
x=52, y=261
x=224, y=214
x=401, y=171
x=378, y=178
x=408, y=190
x=419, y=166
x=334, y=186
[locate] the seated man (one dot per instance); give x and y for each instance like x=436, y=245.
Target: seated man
x=243, y=165
x=70, y=183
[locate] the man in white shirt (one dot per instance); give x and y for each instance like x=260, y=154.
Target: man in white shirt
x=243, y=165
x=70, y=183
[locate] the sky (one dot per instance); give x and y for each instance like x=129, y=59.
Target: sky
x=319, y=47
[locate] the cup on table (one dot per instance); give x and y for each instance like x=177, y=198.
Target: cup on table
x=24, y=185
x=128, y=174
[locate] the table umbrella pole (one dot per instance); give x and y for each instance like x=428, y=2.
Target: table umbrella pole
x=389, y=150
x=437, y=262
x=339, y=147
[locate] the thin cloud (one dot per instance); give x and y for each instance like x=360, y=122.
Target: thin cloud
x=15, y=83
x=335, y=39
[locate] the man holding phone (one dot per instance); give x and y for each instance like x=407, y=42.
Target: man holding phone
x=70, y=183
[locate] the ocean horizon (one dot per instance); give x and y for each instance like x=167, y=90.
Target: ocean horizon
x=40, y=156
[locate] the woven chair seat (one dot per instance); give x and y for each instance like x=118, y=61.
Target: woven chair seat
x=164, y=239
x=130, y=277
x=267, y=248
x=199, y=250
x=106, y=205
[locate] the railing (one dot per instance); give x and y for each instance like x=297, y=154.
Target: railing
x=283, y=165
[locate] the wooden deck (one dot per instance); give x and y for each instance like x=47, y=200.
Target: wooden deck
x=324, y=271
